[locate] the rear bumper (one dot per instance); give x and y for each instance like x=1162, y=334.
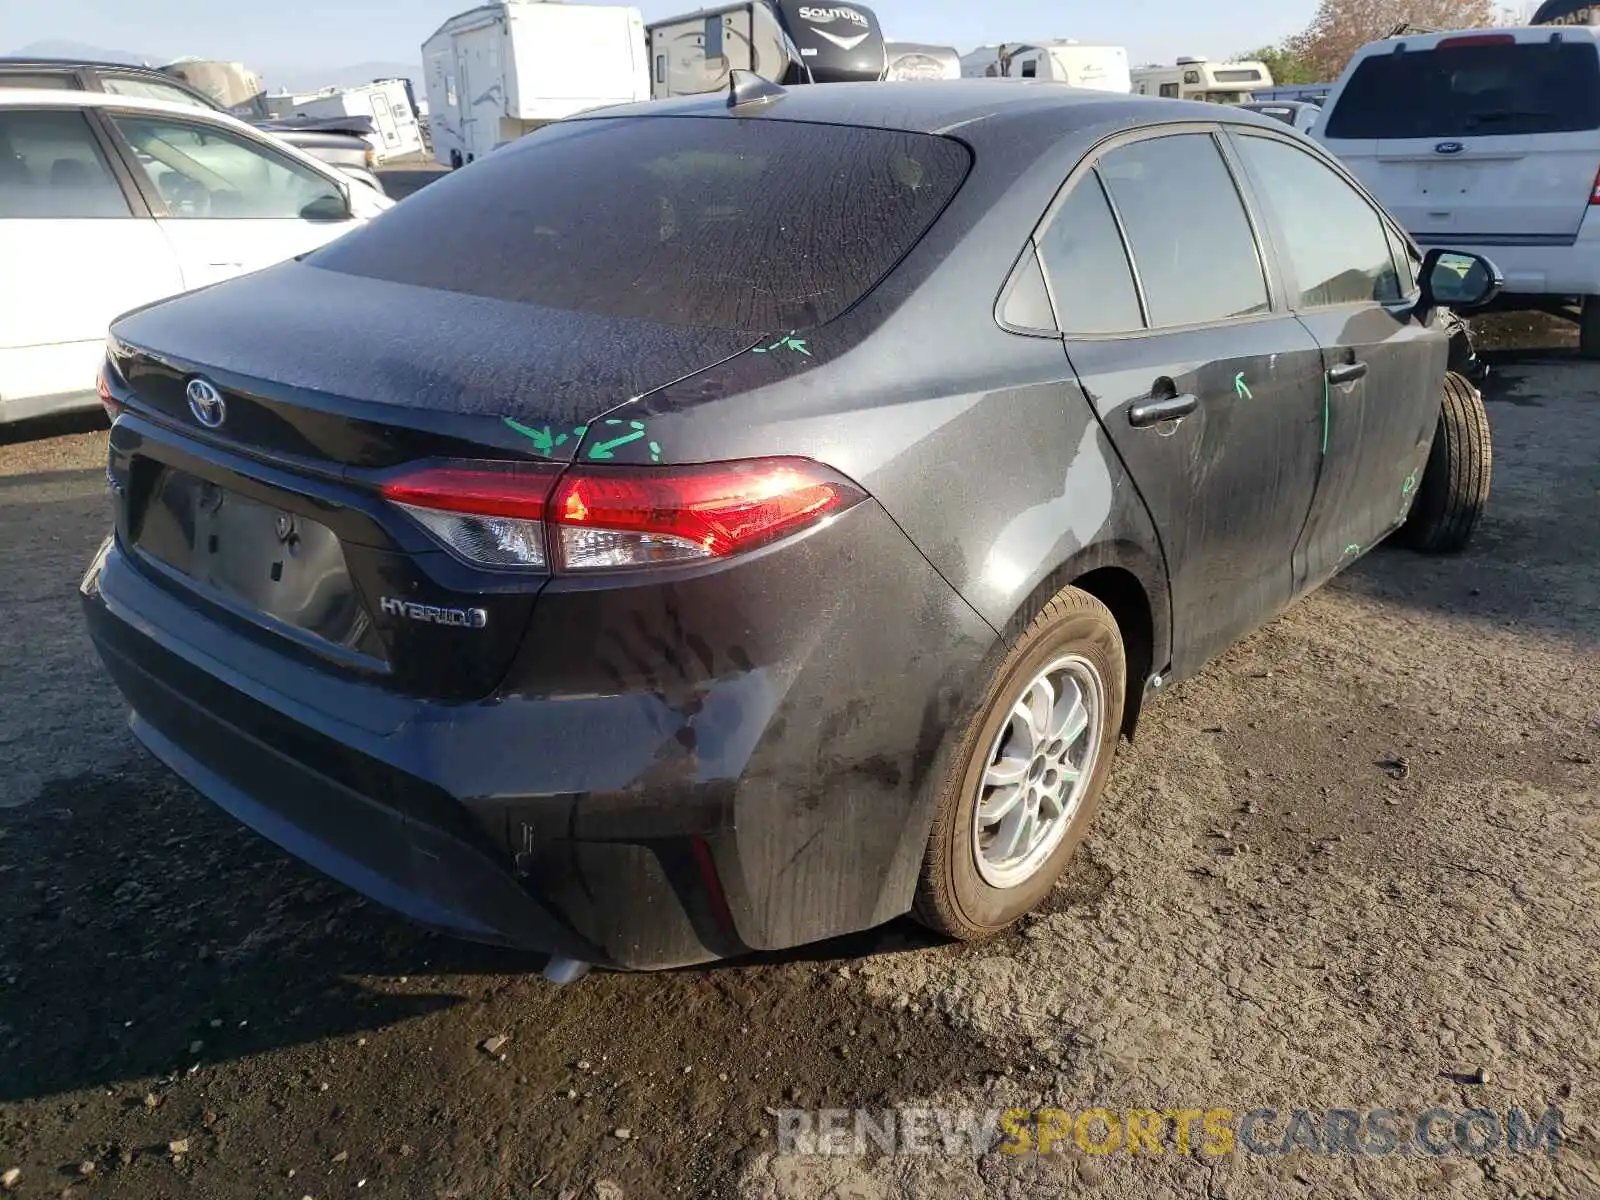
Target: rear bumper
x=321, y=790
x=766, y=802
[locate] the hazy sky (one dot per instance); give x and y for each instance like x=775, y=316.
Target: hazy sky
x=336, y=32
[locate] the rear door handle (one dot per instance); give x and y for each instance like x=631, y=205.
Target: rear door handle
x=1169, y=408
x=1347, y=372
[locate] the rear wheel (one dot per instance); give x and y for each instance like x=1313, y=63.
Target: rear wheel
x=1589, y=327
x=1026, y=778
x=1455, y=483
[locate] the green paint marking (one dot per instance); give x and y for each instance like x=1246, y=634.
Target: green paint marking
x=1243, y=388
x=789, y=342
x=542, y=439
x=1324, y=415
x=1352, y=548
x=655, y=451
x=602, y=451
x=1410, y=484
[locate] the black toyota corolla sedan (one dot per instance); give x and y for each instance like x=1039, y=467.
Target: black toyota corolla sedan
x=720, y=524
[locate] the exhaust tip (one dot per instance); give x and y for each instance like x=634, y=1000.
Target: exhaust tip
x=561, y=971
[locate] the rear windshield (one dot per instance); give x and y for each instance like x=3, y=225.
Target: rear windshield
x=722, y=223
x=1471, y=91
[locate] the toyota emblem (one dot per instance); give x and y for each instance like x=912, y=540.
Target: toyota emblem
x=205, y=402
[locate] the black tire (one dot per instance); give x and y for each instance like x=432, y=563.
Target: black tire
x=952, y=897
x=1455, y=483
x=1589, y=328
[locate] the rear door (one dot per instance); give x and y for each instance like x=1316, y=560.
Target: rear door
x=228, y=202
x=1351, y=284
x=1209, y=389
x=383, y=121
x=78, y=248
x=1481, y=137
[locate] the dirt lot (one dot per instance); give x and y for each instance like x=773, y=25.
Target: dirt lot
x=1272, y=911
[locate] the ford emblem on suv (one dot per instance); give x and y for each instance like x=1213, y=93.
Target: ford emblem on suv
x=1449, y=148
x=205, y=402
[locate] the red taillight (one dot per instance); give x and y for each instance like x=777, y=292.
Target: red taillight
x=1476, y=39
x=484, y=489
x=489, y=513
x=110, y=403
x=601, y=519
x=628, y=518
x=1594, y=192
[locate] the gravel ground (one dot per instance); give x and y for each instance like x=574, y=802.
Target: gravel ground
x=1273, y=910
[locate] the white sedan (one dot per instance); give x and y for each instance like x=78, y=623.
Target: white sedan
x=110, y=202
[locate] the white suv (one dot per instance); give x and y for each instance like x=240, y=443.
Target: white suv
x=1486, y=140
x=109, y=202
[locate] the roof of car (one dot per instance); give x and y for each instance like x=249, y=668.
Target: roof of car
x=56, y=98
x=1519, y=33
x=12, y=61
x=943, y=106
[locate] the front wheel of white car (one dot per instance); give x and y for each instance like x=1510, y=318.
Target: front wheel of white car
x=1589, y=328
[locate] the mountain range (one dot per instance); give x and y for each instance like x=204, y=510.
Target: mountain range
x=274, y=77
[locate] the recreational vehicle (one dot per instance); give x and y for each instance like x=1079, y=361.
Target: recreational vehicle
x=232, y=85
x=395, y=131
x=783, y=41
x=1076, y=64
x=503, y=70
x=1202, y=79
x=912, y=60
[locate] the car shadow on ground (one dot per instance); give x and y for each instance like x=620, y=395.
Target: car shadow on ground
x=148, y=934
x=1515, y=573
x=37, y=429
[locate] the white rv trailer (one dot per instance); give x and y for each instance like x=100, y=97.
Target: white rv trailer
x=395, y=130
x=1077, y=64
x=497, y=72
x=913, y=60
x=783, y=41
x=1202, y=79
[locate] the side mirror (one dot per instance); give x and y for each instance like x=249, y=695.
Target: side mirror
x=331, y=206
x=1457, y=279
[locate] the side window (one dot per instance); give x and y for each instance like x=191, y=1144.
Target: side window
x=1169, y=90
x=55, y=80
x=203, y=171
x=51, y=166
x=149, y=89
x=1087, y=266
x=1030, y=69
x=1407, y=261
x=1191, y=241
x=1335, y=241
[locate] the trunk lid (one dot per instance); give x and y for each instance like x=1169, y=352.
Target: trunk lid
x=1475, y=138
x=346, y=370
x=270, y=522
